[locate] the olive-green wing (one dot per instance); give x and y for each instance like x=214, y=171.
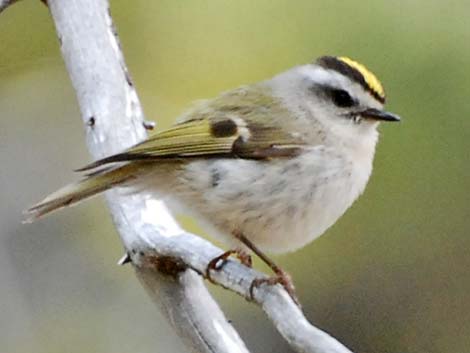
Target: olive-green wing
x=228, y=137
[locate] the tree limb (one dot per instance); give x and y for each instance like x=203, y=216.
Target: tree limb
x=167, y=260
x=114, y=120
x=5, y=3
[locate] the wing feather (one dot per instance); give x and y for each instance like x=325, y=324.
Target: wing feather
x=188, y=139
x=230, y=133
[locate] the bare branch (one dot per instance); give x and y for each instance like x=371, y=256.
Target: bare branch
x=5, y=3
x=167, y=260
x=278, y=305
x=114, y=120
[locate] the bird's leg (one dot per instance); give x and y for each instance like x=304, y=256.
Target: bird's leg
x=281, y=276
x=218, y=262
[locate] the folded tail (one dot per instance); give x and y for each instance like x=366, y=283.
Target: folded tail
x=93, y=184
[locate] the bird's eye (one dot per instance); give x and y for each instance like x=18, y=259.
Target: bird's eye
x=341, y=98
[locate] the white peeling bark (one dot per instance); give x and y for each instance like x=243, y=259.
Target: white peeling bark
x=114, y=120
x=5, y=3
x=168, y=261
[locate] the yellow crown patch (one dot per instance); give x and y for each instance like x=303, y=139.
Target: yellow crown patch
x=371, y=80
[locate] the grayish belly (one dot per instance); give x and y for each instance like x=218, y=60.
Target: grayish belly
x=280, y=204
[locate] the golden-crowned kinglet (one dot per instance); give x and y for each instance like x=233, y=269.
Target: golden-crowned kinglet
x=274, y=163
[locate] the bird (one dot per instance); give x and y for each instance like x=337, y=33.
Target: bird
x=266, y=167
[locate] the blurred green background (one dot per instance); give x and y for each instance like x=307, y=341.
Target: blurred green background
x=393, y=275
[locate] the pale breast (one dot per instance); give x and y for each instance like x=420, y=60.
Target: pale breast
x=280, y=205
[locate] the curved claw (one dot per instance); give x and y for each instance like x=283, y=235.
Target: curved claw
x=218, y=262
x=282, y=278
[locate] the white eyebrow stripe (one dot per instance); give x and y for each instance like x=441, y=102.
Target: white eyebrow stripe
x=326, y=77
x=322, y=76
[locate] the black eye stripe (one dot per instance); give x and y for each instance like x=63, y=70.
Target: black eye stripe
x=341, y=98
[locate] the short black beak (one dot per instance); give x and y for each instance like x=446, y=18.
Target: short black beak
x=376, y=114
